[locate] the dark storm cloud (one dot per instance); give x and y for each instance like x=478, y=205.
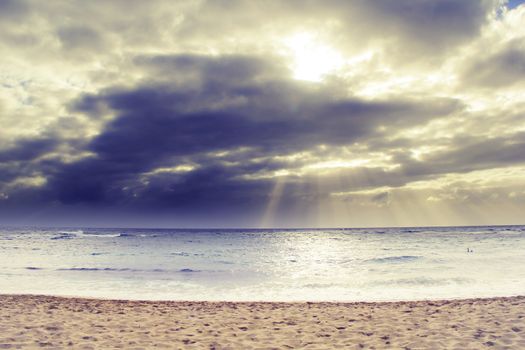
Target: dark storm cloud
x=28, y=149
x=21, y=159
x=216, y=104
x=229, y=108
x=9, y=172
x=209, y=187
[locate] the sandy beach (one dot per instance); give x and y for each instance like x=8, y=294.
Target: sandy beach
x=55, y=322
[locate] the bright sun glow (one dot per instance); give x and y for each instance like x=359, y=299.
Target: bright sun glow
x=311, y=59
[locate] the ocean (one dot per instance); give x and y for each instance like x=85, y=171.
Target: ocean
x=372, y=264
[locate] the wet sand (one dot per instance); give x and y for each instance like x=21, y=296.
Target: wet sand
x=52, y=322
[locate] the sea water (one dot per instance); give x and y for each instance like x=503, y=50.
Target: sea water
x=270, y=265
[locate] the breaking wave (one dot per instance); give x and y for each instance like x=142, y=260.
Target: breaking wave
x=395, y=259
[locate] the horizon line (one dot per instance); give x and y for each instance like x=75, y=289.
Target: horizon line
x=255, y=228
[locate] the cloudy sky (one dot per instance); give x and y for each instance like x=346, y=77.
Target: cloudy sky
x=233, y=113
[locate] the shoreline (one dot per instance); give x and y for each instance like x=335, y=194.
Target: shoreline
x=39, y=321
x=350, y=302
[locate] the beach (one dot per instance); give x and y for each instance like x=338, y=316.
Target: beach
x=32, y=321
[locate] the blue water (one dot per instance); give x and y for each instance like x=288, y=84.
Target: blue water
x=282, y=265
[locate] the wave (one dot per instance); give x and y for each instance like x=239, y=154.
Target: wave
x=188, y=270
x=74, y=232
x=64, y=236
x=135, y=235
x=102, y=235
x=126, y=235
x=70, y=234
x=395, y=259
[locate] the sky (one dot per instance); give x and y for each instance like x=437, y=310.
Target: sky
x=232, y=113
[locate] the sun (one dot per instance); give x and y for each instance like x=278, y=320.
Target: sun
x=311, y=59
